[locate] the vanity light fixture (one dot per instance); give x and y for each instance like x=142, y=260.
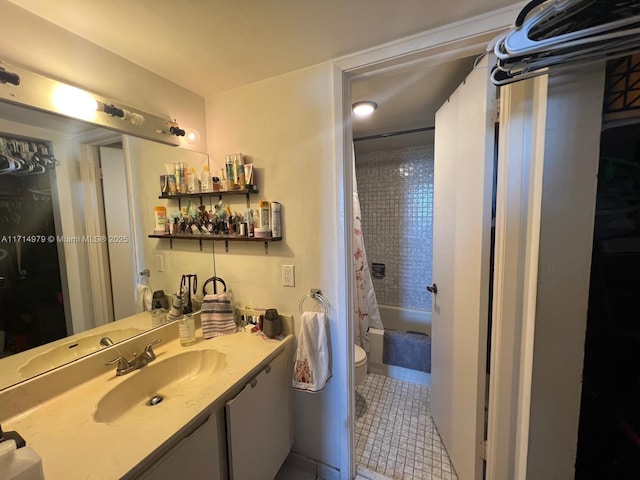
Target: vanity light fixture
x=364, y=109
x=110, y=109
x=22, y=87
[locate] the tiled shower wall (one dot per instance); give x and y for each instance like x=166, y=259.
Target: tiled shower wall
x=395, y=188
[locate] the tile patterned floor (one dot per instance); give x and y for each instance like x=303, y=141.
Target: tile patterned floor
x=395, y=435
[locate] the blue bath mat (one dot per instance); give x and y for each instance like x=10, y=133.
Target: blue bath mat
x=407, y=349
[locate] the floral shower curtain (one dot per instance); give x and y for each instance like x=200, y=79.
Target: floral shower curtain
x=366, y=306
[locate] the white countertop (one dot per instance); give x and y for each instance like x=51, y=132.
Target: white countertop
x=73, y=445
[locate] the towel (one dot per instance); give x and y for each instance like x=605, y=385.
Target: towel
x=311, y=366
x=143, y=298
x=217, y=315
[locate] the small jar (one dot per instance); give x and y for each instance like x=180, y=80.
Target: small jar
x=187, y=330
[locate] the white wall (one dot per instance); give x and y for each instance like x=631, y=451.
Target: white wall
x=38, y=45
x=285, y=125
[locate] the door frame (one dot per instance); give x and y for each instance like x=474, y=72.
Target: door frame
x=98, y=255
x=433, y=47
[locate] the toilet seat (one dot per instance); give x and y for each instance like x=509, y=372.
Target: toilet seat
x=360, y=355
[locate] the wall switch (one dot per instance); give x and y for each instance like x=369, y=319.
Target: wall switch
x=159, y=263
x=288, y=276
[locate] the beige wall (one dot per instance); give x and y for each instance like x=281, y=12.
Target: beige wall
x=33, y=43
x=285, y=125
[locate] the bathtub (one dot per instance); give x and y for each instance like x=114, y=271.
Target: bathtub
x=403, y=319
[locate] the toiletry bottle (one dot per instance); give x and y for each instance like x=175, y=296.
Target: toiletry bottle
x=276, y=219
x=230, y=173
x=242, y=183
x=248, y=216
x=205, y=179
x=265, y=214
x=178, y=175
x=161, y=219
x=187, y=330
x=183, y=178
x=191, y=185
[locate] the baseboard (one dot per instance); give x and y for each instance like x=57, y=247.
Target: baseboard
x=319, y=469
x=400, y=373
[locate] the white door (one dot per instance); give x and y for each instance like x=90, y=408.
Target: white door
x=118, y=225
x=463, y=177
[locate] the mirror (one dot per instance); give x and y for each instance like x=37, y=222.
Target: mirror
x=64, y=235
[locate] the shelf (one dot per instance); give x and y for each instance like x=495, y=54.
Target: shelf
x=209, y=194
x=200, y=195
x=225, y=238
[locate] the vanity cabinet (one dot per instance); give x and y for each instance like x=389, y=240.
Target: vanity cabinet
x=245, y=436
x=226, y=238
x=259, y=433
x=199, y=455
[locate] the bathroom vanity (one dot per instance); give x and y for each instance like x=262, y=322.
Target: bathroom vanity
x=218, y=409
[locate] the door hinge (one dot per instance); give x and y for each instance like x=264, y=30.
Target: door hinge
x=484, y=450
x=495, y=110
x=99, y=173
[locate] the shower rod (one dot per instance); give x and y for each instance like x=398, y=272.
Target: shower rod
x=393, y=134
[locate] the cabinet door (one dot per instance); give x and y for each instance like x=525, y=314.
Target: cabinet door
x=258, y=419
x=194, y=457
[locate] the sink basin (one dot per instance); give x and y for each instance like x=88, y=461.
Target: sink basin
x=176, y=378
x=71, y=350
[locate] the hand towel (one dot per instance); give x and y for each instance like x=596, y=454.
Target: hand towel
x=311, y=366
x=143, y=297
x=217, y=315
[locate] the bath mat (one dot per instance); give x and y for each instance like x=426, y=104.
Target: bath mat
x=407, y=349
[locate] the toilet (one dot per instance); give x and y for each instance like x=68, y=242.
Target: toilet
x=361, y=364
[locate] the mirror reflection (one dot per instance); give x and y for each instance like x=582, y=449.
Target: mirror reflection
x=70, y=235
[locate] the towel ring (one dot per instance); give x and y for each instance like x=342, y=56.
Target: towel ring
x=215, y=281
x=315, y=295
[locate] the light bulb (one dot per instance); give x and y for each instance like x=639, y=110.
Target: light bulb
x=363, y=109
x=74, y=102
x=192, y=137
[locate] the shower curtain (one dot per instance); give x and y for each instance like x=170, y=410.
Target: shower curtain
x=366, y=306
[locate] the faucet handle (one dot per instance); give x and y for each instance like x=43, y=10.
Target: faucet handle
x=148, y=350
x=122, y=362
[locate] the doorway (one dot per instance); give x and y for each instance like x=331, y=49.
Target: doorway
x=112, y=258
x=431, y=457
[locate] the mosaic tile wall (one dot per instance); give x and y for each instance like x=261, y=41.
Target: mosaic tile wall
x=396, y=198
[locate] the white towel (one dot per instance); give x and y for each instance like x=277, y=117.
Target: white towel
x=144, y=295
x=311, y=367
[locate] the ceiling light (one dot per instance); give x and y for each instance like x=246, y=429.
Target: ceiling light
x=363, y=109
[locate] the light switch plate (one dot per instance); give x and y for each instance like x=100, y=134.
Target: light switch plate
x=159, y=263
x=288, y=276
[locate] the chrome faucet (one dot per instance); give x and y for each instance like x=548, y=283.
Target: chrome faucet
x=106, y=342
x=125, y=366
